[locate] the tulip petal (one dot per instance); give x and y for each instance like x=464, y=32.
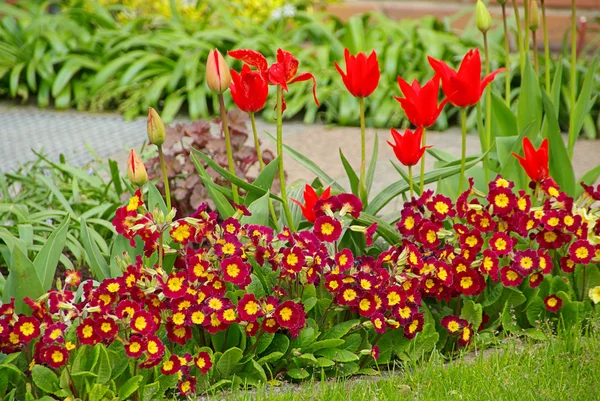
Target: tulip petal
x=305, y=76
x=252, y=58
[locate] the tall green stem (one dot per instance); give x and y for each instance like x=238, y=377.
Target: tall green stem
x=546, y=48
x=410, y=181
x=163, y=168
x=526, y=7
x=519, y=36
x=234, y=189
x=363, y=157
x=256, y=142
x=572, y=133
x=536, y=63
x=261, y=162
x=506, y=57
x=422, y=178
x=488, y=109
x=286, y=206
x=463, y=153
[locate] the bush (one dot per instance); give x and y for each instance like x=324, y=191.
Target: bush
x=96, y=62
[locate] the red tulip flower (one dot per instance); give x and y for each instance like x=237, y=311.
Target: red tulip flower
x=464, y=87
x=421, y=103
x=535, y=162
x=283, y=72
x=249, y=90
x=362, y=73
x=407, y=147
x=310, y=200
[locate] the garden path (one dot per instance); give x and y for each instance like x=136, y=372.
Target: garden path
x=72, y=133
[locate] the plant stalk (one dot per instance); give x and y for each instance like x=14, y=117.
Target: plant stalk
x=507, y=57
x=526, y=7
x=488, y=109
x=163, y=168
x=422, y=178
x=234, y=190
x=463, y=154
x=410, y=181
x=583, y=283
x=536, y=62
x=519, y=36
x=286, y=206
x=546, y=49
x=362, y=184
x=261, y=162
x=572, y=133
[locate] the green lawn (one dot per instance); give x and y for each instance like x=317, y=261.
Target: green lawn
x=565, y=368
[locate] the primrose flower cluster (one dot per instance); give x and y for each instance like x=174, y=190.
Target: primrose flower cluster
x=447, y=250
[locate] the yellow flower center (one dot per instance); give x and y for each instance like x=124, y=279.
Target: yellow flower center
x=582, y=252
x=179, y=318
x=501, y=200
x=152, y=347
x=466, y=282
x=140, y=323
x=471, y=241
x=500, y=244
x=113, y=287
x=106, y=327
x=58, y=356
x=441, y=207
x=364, y=304
x=292, y=259
x=233, y=270
x=327, y=228
x=53, y=335
x=409, y=223
x=215, y=304
x=168, y=365
x=228, y=249
x=251, y=308
x=285, y=314
x=512, y=275
x=552, y=302
x=343, y=260
x=393, y=298
x=431, y=236
x=181, y=233
x=87, y=331
x=175, y=283
x=198, y=317
x=133, y=204
x=453, y=326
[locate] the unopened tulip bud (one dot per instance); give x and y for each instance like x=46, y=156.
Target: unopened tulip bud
x=501, y=2
x=218, y=76
x=483, y=17
x=136, y=172
x=156, y=128
x=534, y=16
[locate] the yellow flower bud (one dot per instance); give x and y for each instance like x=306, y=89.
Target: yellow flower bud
x=156, y=128
x=136, y=172
x=534, y=16
x=218, y=76
x=483, y=17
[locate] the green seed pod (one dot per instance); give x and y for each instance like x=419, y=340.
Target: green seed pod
x=484, y=19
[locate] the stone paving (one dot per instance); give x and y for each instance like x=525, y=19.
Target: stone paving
x=72, y=133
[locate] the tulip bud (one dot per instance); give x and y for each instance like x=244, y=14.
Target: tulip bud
x=136, y=172
x=156, y=128
x=534, y=16
x=502, y=2
x=218, y=76
x=484, y=19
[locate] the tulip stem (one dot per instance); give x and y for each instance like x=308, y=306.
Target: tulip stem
x=410, y=181
x=519, y=36
x=362, y=185
x=507, y=57
x=256, y=142
x=536, y=62
x=463, y=154
x=163, y=168
x=572, y=133
x=526, y=7
x=261, y=162
x=488, y=109
x=422, y=178
x=236, y=198
x=286, y=207
x=546, y=48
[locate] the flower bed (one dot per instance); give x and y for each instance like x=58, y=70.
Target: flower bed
x=314, y=283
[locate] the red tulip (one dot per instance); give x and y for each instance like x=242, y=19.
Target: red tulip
x=249, y=90
x=464, y=87
x=408, y=148
x=421, y=103
x=282, y=73
x=535, y=162
x=362, y=73
x=310, y=200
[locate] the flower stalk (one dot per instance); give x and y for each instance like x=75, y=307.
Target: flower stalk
x=463, y=152
x=410, y=181
x=286, y=206
x=234, y=190
x=422, y=178
x=163, y=168
x=572, y=133
x=546, y=48
x=256, y=142
x=519, y=36
x=488, y=109
x=506, y=57
x=362, y=183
